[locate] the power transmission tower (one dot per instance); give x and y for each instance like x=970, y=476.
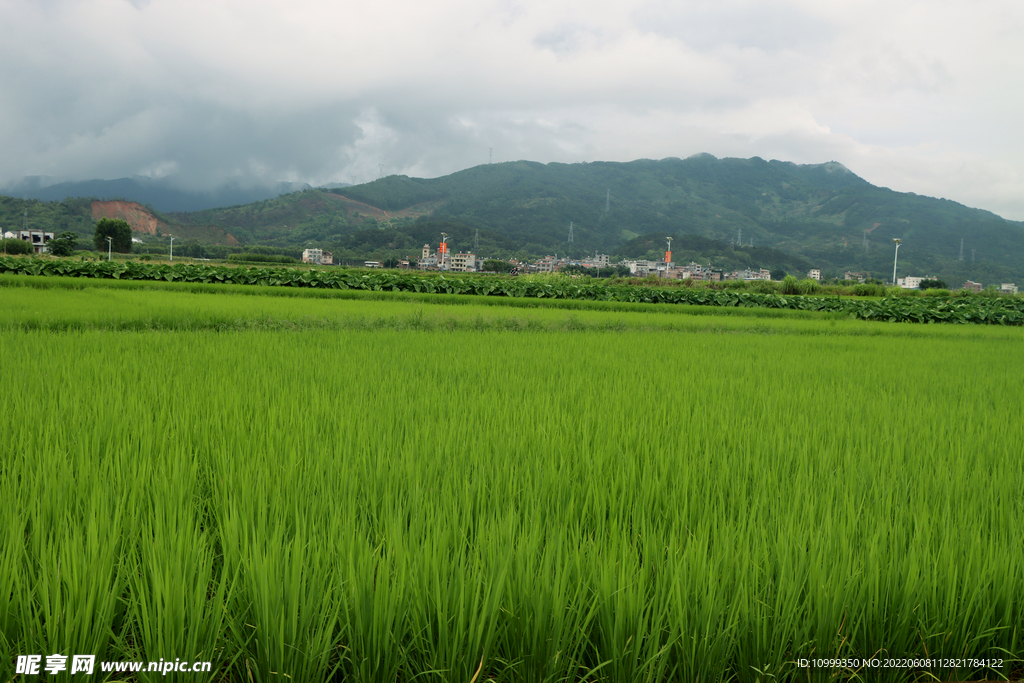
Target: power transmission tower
x=24, y=223
x=570, y=233
x=490, y=154
x=476, y=242
x=865, y=241
x=961, y=248
x=972, y=256
x=607, y=200
x=739, y=236
x=381, y=166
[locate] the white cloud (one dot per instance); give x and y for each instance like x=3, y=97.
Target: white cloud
x=919, y=96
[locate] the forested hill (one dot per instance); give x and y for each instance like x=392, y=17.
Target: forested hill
x=823, y=213
x=821, y=216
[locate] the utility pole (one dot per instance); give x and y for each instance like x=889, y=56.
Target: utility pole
x=109, y=242
x=172, y=247
x=895, y=258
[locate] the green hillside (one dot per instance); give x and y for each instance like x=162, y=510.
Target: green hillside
x=822, y=213
x=751, y=212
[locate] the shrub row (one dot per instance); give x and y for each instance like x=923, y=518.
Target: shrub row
x=998, y=311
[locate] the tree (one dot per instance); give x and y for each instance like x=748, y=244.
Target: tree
x=63, y=244
x=118, y=230
x=933, y=284
x=789, y=285
x=15, y=246
x=497, y=266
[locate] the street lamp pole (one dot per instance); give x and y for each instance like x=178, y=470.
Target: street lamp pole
x=172, y=247
x=668, y=255
x=109, y=242
x=895, y=258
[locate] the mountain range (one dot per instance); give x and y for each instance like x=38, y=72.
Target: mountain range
x=731, y=212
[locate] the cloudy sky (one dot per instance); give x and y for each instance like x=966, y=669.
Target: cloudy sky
x=920, y=96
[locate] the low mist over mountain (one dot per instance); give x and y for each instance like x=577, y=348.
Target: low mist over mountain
x=161, y=194
x=744, y=211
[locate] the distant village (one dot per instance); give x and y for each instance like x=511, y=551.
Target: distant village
x=471, y=263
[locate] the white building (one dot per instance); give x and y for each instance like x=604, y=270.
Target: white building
x=463, y=263
x=749, y=274
x=815, y=274
x=693, y=271
x=427, y=259
x=318, y=257
x=640, y=266
x=38, y=238
x=548, y=264
x=910, y=282
x=1008, y=288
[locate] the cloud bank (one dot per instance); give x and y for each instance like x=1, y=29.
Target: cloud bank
x=916, y=96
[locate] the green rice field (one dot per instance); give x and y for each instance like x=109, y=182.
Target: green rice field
x=341, y=486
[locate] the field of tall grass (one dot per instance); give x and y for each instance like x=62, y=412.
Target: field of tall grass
x=562, y=500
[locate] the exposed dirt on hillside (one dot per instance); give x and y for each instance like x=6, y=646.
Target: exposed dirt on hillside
x=145, y=222
x=365, y=211
x=137, y=215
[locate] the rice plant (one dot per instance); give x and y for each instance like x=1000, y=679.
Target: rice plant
x=553, y=501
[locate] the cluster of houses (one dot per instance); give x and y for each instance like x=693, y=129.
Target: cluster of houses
x=469, y=263
x=1004, y=288
x=914, y=282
